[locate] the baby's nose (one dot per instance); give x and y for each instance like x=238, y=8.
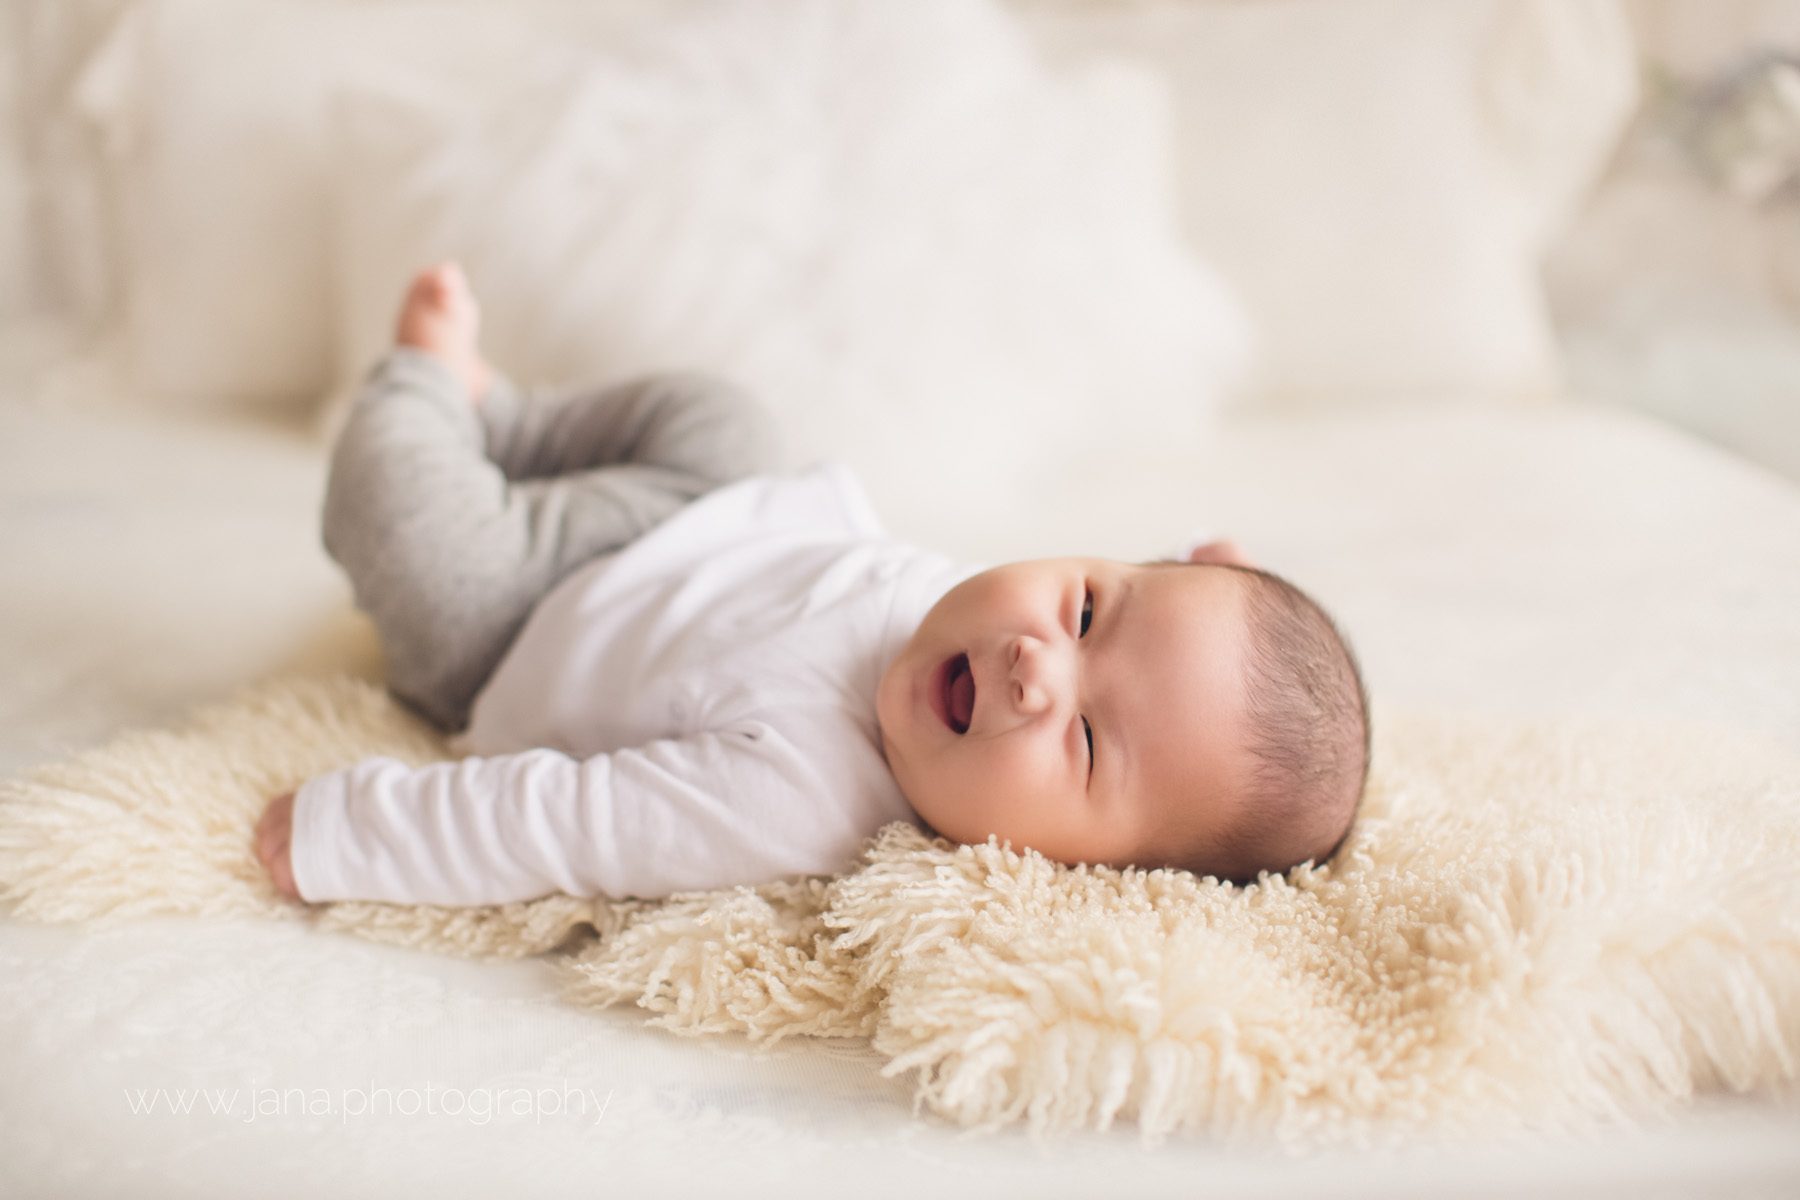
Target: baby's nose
x=1035, y=675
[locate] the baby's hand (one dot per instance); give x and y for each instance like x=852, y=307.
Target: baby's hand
x=274, y=833
x=1223, y=552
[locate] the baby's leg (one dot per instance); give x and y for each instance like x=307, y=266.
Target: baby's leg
x=602, y=466
x=453, y=519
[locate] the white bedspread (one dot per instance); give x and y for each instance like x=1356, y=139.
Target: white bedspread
x=1559, y=559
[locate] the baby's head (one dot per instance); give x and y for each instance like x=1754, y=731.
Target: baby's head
x=1158, y=714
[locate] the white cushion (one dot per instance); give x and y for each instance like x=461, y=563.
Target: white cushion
x=216, y=115
x=1377, y=178
x=929, y=256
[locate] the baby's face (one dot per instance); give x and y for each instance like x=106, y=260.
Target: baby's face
x=1085, y=708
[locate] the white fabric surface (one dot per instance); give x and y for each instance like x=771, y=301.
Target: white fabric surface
x=1548, y=560
x=620, y=751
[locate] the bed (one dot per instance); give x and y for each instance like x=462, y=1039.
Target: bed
x=1488, y=555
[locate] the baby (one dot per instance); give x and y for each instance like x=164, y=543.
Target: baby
x=676, y=673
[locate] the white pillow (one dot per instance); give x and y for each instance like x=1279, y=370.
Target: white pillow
x=1377, y=179
x=216, y=115
x=929, y=256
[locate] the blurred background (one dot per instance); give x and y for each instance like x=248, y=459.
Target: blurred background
x=1674, y=289
x=1410, y=199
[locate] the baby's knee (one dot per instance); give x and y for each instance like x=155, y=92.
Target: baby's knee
x=714, y=429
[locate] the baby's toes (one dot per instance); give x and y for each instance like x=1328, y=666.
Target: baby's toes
x=432, y=291
x=440, y=316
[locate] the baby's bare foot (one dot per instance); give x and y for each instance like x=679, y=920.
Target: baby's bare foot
x=440, y=316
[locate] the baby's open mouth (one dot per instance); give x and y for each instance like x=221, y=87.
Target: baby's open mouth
x=958, y=693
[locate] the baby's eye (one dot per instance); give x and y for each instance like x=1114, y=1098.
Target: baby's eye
x=1089, y=731
x=1087, y=613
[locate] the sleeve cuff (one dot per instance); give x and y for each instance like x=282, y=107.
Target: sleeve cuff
x=318, y=815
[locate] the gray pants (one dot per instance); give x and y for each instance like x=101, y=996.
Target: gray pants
x=453, y=519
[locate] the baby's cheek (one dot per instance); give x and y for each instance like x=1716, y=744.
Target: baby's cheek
x=1009, y=791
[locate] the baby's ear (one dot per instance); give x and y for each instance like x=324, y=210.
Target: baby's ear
x=1223, y=553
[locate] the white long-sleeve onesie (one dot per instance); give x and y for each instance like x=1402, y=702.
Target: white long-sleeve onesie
x=694, y=711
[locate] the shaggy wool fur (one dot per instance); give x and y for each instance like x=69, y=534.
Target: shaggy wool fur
x=1547, y=925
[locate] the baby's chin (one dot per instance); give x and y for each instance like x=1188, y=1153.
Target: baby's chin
x=938, y=818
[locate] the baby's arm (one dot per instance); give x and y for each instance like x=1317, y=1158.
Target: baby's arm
x=674, y=815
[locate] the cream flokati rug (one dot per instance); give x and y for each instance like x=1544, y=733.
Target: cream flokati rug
x=1544, y=926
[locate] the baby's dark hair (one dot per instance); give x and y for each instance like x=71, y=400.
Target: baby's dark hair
x=1308, y=727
